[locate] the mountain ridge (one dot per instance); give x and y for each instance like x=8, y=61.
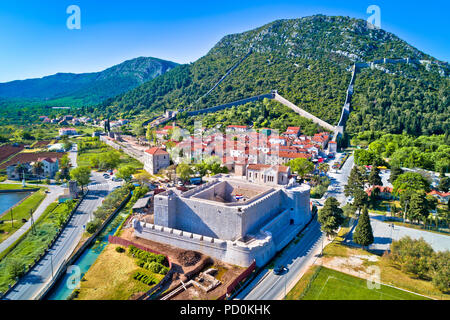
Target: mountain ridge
x=86, y=88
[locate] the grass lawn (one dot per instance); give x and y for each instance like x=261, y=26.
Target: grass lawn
x=389, y=274
x=111, y=277
x=12, y=186
x=382, y=206
x=334, y=285
x=83, y=158
x=32, y=245
x=19, y=212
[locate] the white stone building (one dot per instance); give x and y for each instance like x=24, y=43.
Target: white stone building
x=156, y=159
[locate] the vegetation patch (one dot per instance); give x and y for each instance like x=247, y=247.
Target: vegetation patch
x=330, y=284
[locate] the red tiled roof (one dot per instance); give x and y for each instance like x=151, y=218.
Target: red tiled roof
x=156, y=150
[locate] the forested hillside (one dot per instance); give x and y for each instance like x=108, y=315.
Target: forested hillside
x=307, y=60
x=69, y=89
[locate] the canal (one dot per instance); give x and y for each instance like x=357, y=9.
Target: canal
x=61, y=290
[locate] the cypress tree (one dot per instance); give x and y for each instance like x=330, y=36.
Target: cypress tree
x=363, y=233
x=330, y=216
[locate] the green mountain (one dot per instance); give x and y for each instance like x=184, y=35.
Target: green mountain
x=69, y=89
x=308, y=61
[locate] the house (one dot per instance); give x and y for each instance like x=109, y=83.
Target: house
x=141, y=206
x=332, y=147
x=67, y=131
x=384, y=193
x=268, y=174
x=156, y=159
x=14, y=174
x=442, y=197
x=292, y=132
x=50, y=166
x=235, y=128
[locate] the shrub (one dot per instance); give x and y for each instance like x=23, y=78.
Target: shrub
x=120, y=249
x=92, y=226
x=153, y=266
x=145, y=278
x=16, y=269
x=146, y=256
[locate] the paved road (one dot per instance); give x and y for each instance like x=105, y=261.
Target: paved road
x=37, y=279
x=297, y=257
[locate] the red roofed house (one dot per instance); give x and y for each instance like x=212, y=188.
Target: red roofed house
x=292, y=132
x=234, y=128
x=442, y=197
x=384, y=192
x=156, y=159
x=332, y=147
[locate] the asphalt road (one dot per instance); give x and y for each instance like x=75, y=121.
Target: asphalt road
x=37, y=279
x=297, y=257
x=269, y=286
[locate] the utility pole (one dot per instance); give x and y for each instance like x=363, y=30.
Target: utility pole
x=12, y=219
x=33, y=228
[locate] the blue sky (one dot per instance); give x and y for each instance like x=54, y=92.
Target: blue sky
x=36, y=42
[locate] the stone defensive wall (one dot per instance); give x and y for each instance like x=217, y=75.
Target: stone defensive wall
x=231, y=252
x=230, y=104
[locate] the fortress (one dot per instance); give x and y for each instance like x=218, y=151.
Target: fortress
x=230, y=219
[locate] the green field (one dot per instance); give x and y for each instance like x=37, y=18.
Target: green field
x=334, y=285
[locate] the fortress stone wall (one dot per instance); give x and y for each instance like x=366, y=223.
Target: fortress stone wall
x=234, y=232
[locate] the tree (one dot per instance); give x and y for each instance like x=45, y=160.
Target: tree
x=330, y=216
x=374, y=177
x=38, y=169
x=324, y=167
x=356, y=181
x=360, y=199
x=444, y=184
x=363, y=233
x=184, y=171
x=126, y=173
x=16, y=269
x=21, y=170
x=142, y=177
x=410, y=181
x=150, y=133
x=64, y=166
x=418, y=206
x=81, y=175
x=395, y=172
x=301, y=166
x=440, y=270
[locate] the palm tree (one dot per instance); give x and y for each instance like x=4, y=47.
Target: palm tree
x=324, y=167
x=20, y=170
x=38, y=169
